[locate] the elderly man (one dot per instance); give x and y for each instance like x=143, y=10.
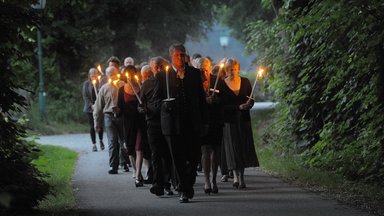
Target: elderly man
x=160, y=155
x=106, y=103
x=183, y=118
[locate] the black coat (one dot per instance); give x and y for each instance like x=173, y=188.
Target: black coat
x=190, y=114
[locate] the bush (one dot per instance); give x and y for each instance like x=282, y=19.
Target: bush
x=327, y=63
x=22, y=185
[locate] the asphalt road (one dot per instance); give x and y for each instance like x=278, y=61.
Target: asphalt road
x=99, y=193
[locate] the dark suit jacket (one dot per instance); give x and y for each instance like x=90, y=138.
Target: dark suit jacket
x=89, y=96
x=196, y=108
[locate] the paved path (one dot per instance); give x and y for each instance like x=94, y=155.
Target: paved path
x=99, y=193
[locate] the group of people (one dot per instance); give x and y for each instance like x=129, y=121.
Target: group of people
x=173, y=115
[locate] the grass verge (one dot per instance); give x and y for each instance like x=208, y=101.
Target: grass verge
x=58, y=163
x=61, y=121
x=291, y=169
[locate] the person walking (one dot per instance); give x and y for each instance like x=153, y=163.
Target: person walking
x=237, y=133
x=135, y=135
x=211, y=143
x=89, y=93
x=160, y=155
x=183, y=119
x=106, y=104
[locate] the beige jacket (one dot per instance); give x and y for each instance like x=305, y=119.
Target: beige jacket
x=105, y=101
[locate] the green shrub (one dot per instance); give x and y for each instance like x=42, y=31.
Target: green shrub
x=326, y=59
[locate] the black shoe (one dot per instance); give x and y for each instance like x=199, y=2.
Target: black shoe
x=139, y=183
x=126, y=168
x=230, y=174
x=207, y=191
x=183, y=198
x=236, y=185
x=112, y=171
x=215, y=190
x=199, y=167
x=158, y=191
x=168, y=191
x=242, y=186
x=224, y=178
x=102, y=147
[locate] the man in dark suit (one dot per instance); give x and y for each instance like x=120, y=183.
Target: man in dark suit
x=183, y=117
x=160, y=155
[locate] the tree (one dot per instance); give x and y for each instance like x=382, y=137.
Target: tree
x=21, y=184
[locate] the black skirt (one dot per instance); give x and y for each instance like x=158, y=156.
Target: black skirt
x=238, y=144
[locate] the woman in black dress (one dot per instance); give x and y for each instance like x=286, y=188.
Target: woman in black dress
x=237, y=133
x=133, y=123
x=211, y=143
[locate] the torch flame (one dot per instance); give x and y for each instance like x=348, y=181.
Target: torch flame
x=99, y=68
x=260, y=72
x=109, y=80
x=115, y=82
x=137, y=78
x=127, y=75
x=118, y=76
x=94, y=82
x=99, y=77
x=166, y=68
x=221, y=65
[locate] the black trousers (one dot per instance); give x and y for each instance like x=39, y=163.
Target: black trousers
x=160, y=155
x=185, y=151
x=92, y=131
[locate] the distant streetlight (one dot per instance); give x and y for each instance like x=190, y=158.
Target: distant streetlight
x=224, y=39
x=39, y=7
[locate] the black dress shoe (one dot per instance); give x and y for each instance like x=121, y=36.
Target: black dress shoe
x=215, y=190
x=236, y=185
x=112, y=171
x=126, y=168
x=102, y=147
x=139, y=183
x=167, y=189
x=183, y=198
x=158, y=191
x=242, y=186
x=208, y=191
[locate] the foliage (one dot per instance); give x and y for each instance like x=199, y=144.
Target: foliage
x=326, y=58
x=21, y=184
x=78, y=35
x=236, y=14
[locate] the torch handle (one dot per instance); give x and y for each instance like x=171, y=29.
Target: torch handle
x=215, y=86
x=253, y=88
x=134, y=91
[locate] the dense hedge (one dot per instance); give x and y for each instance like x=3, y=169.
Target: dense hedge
x=327, y=62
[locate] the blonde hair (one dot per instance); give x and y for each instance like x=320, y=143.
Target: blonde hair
x=232, y=62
